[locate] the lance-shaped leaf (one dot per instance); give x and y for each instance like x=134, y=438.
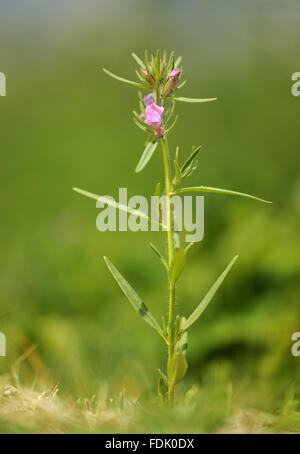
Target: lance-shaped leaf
x=138, y=60
x=162, y=385
x=177, y=368
x=178, y=61
x=181, y=99
x=182, y=343
x=126, y=81
x=172, y=126
x=219, y=191
x=181, y=85
x=119, y=206
x=178, y=174
x=146, y=156
x=169, y=113
x=133, y=297
x=177, y=265
x=159, y=255
x=190, y=158
x=171, y=63
x=163, y=376
x=140, y=125
x=187, y=248
x=157, y=190
x=147, y=64
x=208, y=297
x=157, y=64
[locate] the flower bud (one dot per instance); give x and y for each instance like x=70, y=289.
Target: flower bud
x=174, y=74
x=146, y=74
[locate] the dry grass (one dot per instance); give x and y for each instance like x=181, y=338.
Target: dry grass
x=25, y=410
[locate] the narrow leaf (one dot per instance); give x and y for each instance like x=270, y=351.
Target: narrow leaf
x=139, y=75
x=181, y=85
x=172, y=126
x=190, y=158
x=177, y=171
x=133, y=297
x=138, y=60
x=167, y=87
x=181, y=99
x=186, y=249
x=140, y=125
x=121, y=79
x=178, y=61
x=157, y=190
x=208, y=297
x=163, y=376
x=157, y=64
x=190, y=394
x=147, y=63
x=189, y=170
x=182, y=343
x=161, y=388
x=164, y=324
x=177, y=368
x=146, y=156
x=176, y=266
x=170, y=113
x=170, y=65
x=159, y=255
x=138, y=117
x=219, y=191
x=115, y=204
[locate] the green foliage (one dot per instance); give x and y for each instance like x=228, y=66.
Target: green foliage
x=55, y=292
x=159, y=79
x=177, y=266
x=121, y=79
x=219, y=191
x=198, y=100
x=136, y=302
x=177, y=368
x=146, y=156
x=208, y=297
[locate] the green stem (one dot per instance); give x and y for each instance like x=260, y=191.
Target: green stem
x=169, y=190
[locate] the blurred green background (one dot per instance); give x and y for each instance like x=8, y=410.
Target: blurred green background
x=64, y=123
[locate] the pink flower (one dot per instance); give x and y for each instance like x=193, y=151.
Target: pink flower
x=174, y=74
x=154, y=116
x=149, y=99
